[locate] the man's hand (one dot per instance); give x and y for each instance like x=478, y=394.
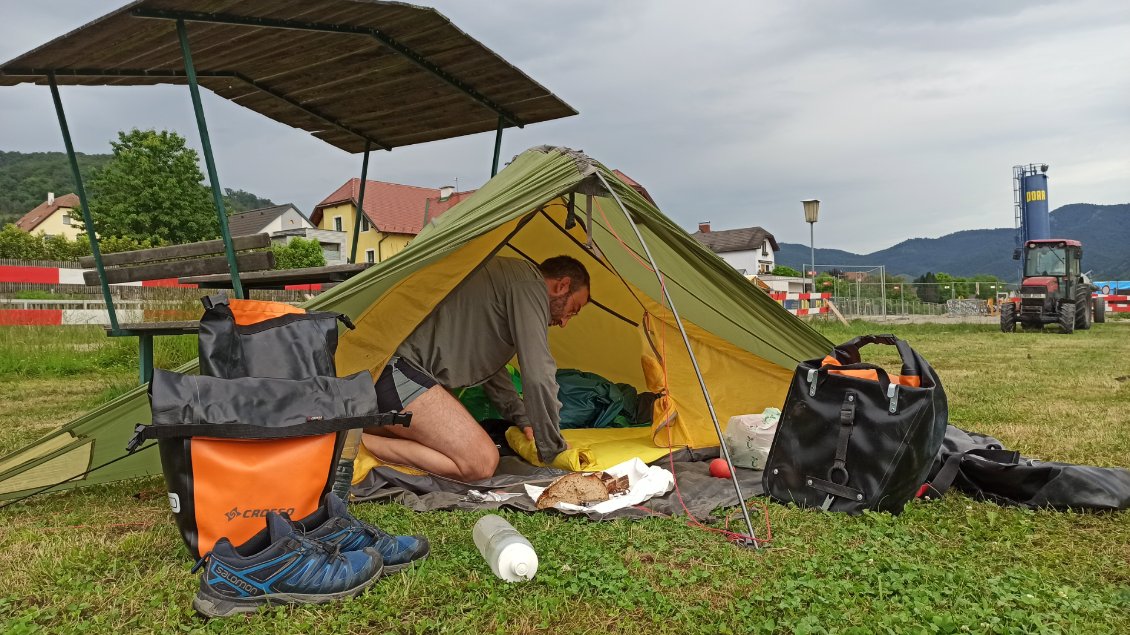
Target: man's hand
x=530, y=435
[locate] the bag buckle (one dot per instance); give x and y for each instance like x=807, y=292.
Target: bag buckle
x=893, y=395
x=137, y=439
x=813, y=375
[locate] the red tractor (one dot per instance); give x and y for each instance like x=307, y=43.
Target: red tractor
x=1054, y=290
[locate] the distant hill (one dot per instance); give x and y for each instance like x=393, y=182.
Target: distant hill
x=27, y=177
x=1104, y=231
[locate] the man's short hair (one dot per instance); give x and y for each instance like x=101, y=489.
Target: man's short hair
x=561, y=266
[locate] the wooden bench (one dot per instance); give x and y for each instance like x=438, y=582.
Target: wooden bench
x=161, y=263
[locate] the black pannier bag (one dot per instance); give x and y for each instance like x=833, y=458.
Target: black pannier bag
x=267, y=429
x=852, y=437
x=251, y=338
x=234, y=449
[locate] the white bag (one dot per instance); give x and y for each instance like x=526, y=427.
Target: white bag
x=749, y=438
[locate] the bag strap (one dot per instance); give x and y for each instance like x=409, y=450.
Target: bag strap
x=944, y=479
x=848, y=352
x=311, y=427
x=835, y=484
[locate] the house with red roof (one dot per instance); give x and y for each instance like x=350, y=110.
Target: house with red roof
x=54, y=217
x=394, y=214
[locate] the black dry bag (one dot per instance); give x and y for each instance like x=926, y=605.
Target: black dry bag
x=852, y=437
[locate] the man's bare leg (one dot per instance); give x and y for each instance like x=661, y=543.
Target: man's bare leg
x=443, y=439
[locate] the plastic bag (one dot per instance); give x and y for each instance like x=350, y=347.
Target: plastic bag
x=749, y=438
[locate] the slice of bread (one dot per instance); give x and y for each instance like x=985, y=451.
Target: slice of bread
x=581, y=489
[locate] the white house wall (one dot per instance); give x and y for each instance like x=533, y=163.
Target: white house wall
x=749, y=260
x=291, y=219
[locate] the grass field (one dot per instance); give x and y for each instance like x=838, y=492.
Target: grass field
x=108, y=559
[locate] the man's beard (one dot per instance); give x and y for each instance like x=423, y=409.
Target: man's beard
x=557, y=309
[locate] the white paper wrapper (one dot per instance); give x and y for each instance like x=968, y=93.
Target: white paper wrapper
x=644, y=482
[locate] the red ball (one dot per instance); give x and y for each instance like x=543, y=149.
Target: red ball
x=720, y=469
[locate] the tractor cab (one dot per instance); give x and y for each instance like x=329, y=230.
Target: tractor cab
x=1052, y=258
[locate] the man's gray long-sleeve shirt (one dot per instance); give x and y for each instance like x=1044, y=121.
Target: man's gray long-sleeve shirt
x=500, y=310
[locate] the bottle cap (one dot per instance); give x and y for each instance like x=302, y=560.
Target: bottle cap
x=517, y=562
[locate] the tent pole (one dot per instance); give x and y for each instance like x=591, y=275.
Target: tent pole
x=209, y=161
x=694, y=361
x=497, y=146
x=95, y=250
x=360, y=202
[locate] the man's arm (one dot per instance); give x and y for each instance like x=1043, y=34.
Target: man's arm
x=500, y=390
x=528, y=307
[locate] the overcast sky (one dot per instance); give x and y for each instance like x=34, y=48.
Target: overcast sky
x=904, y=117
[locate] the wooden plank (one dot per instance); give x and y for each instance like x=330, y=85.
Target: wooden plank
x=832, y=306
x=254, y=261
x=189, y=250
x=281, y=277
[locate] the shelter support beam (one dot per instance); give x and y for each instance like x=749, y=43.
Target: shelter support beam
x=360, y=203
x=376, y=34
x=209, y=161
x=497, y=146
x=690, y=352
x=87, y=221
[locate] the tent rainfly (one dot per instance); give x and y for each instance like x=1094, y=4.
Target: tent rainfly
x=548, y=201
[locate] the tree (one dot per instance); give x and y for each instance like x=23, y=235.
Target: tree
x=782, y=270
x=15, y=243
x=299, y=253
x=928, y=291
x=152, y=190
x=237, y=201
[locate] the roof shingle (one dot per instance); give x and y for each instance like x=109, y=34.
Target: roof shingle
x=29, y=221
x=253, y=221
x=392, y=208
x=744, y=239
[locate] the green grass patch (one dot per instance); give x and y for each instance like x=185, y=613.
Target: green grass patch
x=108, y=558
x=64, y=351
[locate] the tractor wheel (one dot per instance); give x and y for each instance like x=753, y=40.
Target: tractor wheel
x=1067, y=317
x=1100, y=310
x=1008, y=317
x=1083, y=310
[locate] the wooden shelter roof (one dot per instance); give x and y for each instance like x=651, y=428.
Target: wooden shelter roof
x=346, y=71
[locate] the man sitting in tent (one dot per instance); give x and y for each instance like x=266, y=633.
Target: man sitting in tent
x=503, y=309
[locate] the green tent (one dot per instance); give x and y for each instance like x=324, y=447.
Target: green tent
x=548, y=201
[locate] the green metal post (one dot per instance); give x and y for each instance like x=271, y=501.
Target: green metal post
x=497, y=146
x=145, y=358
x=206, y=144
x=81, y=191
x=360, y=202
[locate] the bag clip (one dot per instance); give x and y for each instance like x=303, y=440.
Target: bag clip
x=813, y=375
x=137, y=439
x=893, y=395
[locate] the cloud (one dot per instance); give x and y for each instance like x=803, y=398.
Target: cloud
x=905, y=118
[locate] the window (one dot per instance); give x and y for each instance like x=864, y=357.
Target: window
x=765, y=248
x=66, y=218
x=365, y=223
x=370, y=255
x=337, y=223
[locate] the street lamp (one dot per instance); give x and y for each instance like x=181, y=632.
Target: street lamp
x=811, y=213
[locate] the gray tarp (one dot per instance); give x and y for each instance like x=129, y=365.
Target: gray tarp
x=701, y=493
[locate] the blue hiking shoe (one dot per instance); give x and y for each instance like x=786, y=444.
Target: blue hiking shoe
x=332, y=524
x=278, y=566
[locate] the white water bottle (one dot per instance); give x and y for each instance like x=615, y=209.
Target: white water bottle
x=510, y=556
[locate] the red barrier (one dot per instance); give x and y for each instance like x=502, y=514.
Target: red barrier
x=31, y=317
